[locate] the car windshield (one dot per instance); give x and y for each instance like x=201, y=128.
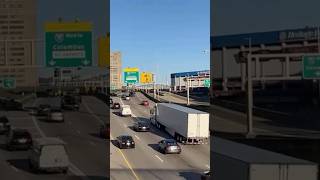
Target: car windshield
x=143, y=123
x=21, y=134
x=171, y=142
x=127, y=138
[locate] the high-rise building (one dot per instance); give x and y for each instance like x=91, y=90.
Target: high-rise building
x=17, y=42
x=115, y=70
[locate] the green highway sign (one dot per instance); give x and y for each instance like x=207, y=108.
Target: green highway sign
x=9, y=83
x=311, y=67
x=131, y=77
x=207, y=83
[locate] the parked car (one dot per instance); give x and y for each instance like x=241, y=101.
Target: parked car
x=206, y=175
x=55, y=114
x=18, y=139
x=116, y=106
x=105, y=131
x=125, y=141
x=125, y=110
x=49, y=154
x=141, y=126
x=4, y=125
x=145, y=103
x=169, y=146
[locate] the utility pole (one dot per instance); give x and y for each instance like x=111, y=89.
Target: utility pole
x=188, y=98
x=249, y=94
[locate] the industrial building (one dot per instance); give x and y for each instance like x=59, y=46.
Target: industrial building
x=196, y=79
x=276, y=59
x=17, y=42
x=115, y=70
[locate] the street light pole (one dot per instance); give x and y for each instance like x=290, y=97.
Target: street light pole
x=249, y=93
x=188, y=93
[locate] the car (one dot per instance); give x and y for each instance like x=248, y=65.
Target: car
x=141, y=126
x=70, y=103
x=145, y=103
x=49, y=154
x=125, y=110
x=55, y=114
x=18, y=139
x=4, y=125
x=116, y=106
x=206, y=175
x=105, y=131
x=123, y=97
x=161, y=93
x=169, y=146
x=125, y=141
x=13, y=105
x=43, y=110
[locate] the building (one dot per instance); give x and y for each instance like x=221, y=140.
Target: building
x=17, y=39
x=115, y=70
x=196, y=79
x=276, y=58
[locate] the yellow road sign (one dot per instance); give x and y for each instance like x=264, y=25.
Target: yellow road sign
x=104, y=51
x=131, y=69
x=68, y=26
x=146, y=77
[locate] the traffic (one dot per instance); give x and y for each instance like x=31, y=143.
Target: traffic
x=136, y=135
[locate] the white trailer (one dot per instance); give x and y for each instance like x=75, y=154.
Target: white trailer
x=230, y=160
x=186, y=125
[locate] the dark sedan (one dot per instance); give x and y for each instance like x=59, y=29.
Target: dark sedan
x=4, y=125
x=19, y=139
x=125, y=141
x=116, y=106
x=141, y=126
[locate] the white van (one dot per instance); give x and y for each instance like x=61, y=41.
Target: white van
x=125, y=110
x=49, y=154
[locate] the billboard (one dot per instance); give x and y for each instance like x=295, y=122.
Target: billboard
x=68, y=44
x=131, y=75
x=146, y=77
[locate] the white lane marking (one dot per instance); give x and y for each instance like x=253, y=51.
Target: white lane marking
x=73, y=168
x=137, y=137
x=91, y=112
x=158, y=158
x=121, y=102
x=92, y=143
x=207, y=166
x=14, y=168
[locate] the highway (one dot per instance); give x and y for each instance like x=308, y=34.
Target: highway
x=145, y=162
x=88, y=153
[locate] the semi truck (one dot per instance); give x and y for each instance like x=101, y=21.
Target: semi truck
x=251, y=163
x=186, y=125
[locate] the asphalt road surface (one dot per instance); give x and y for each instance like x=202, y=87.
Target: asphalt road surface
x=88, y=153
x=145, y=162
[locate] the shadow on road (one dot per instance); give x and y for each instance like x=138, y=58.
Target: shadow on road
x=189, y=175
x=21, y=164
x=154, y=147
x=114, y=142
x=155, y=130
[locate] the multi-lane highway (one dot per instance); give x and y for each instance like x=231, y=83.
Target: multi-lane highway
x=88, y=153
x=145, y=162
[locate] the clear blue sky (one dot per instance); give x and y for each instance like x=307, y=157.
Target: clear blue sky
x=170, y=34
